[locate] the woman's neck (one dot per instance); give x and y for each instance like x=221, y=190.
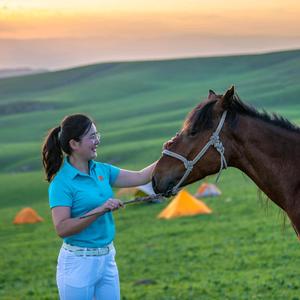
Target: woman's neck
x=81, y=165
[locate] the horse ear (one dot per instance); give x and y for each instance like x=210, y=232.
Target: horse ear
x=211, y=94
x=227, y=98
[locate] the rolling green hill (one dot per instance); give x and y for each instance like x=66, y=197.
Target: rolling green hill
x=238, y=252
x=137, y=105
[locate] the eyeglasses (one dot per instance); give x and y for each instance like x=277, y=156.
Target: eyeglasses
x=95, y=136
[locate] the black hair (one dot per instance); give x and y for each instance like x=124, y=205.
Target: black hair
x=56, y=143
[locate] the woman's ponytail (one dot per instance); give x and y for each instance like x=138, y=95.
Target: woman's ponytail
x=52, y=154
x=57, y=142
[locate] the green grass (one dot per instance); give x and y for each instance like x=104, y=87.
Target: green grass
x=240, y=251
x=138, y=101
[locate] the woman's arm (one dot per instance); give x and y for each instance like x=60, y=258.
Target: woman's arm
x=128, y=178
x=65, y=225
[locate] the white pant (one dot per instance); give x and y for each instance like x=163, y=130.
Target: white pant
x=87, y=277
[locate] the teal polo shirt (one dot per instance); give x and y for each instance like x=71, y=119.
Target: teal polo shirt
x=82, y=193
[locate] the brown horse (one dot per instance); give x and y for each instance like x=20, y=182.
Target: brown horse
x=223, y=131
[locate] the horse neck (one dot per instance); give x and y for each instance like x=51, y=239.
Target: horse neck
x=268, y=155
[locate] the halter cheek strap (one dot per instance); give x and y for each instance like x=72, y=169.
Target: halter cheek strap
x=189, y=164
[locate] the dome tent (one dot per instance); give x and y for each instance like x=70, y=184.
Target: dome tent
x=207, y=190
x=184, y=204
x=27, y=215
x=139, y=191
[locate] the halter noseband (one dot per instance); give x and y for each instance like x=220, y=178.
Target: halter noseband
x=189, y=164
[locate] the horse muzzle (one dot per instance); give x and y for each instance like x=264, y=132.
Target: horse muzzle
x=163, y=187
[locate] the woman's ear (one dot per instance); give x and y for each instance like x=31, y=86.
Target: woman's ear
x=73, y=144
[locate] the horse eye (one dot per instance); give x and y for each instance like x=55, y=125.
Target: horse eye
x=193, y=132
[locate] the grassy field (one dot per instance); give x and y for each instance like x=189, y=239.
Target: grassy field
x=241, y=251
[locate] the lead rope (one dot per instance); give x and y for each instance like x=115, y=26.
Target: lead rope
x=135, y=200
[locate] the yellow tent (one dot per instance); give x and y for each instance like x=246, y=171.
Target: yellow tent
x=127, y=192
x=27, y=216
x=139, y=191
x=184, y=204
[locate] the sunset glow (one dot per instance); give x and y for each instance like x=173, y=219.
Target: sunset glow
x=116, y=21
x=43, y=19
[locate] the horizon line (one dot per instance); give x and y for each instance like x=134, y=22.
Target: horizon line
x=225, y=55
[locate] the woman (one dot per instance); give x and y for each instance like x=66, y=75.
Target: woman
x=80, y=186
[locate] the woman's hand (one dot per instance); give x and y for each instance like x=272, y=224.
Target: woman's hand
x=66, y=226
x=112, y=204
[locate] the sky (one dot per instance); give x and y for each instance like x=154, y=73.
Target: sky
x=59, y=34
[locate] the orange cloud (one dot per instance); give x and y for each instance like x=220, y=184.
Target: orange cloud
x=45, y=24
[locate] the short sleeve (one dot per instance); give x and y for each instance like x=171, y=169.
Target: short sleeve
x=59, y=194
x=113, y=173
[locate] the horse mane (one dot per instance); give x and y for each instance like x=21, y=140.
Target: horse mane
x=200, y=118
x=237, y=106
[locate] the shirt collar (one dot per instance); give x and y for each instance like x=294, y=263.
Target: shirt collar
x=72, y=171
x=92, y=164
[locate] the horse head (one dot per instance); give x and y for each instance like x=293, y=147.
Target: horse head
x=198, y=149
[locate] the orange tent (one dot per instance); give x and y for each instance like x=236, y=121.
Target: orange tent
x=207, y=190
x=27, y=216
x=184, y=204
